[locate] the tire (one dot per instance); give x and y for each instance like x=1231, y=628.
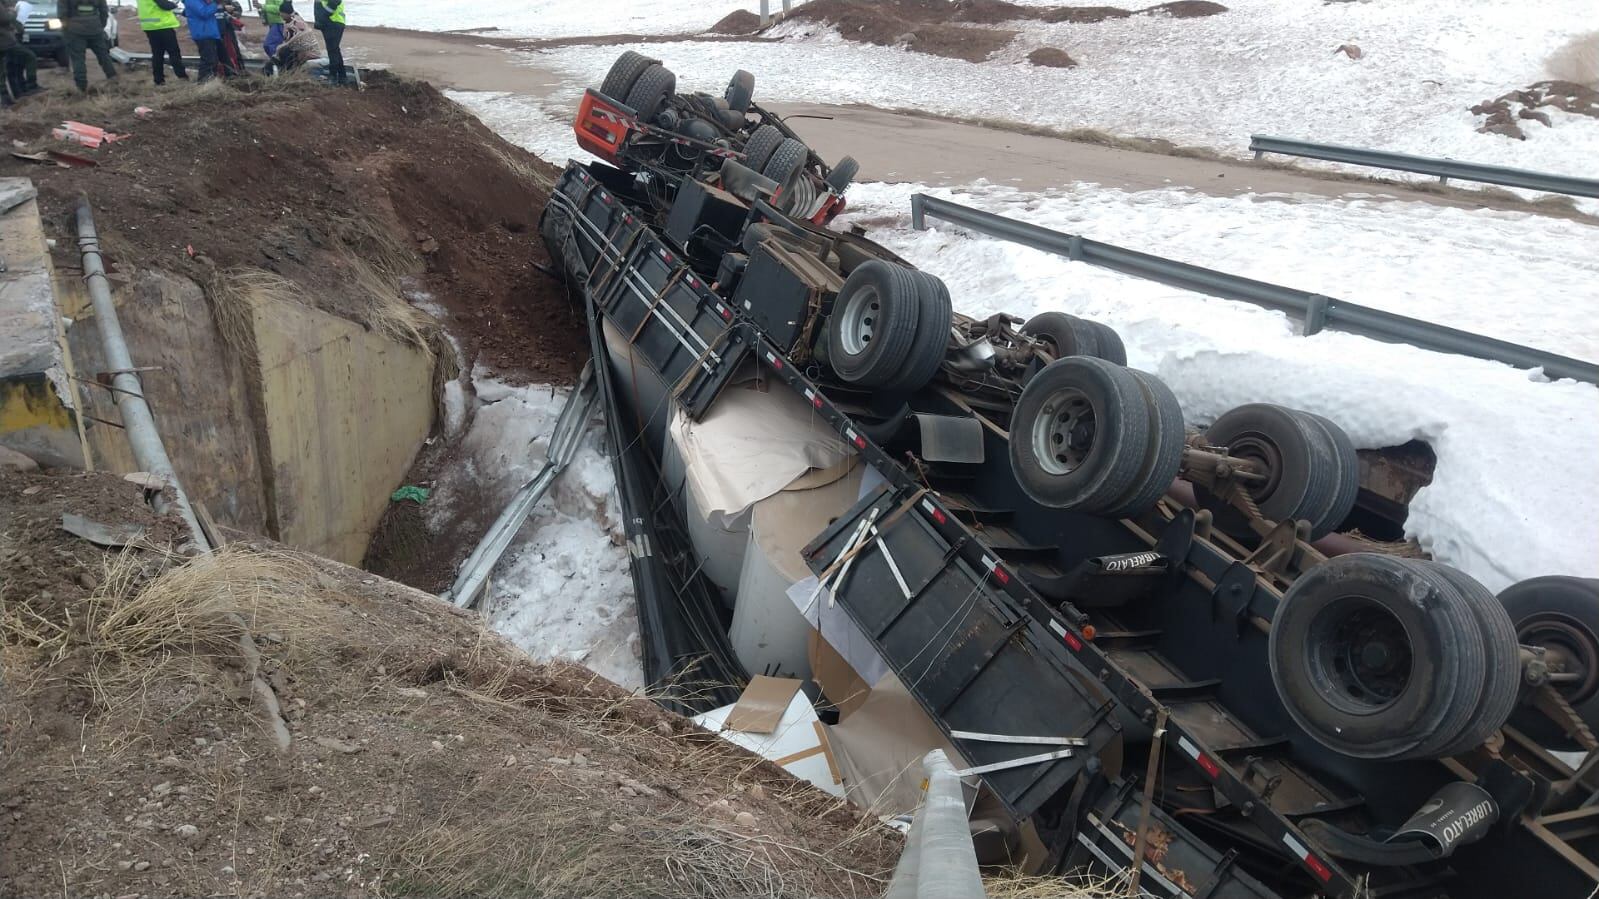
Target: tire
x=740, y=91
x=1080, y=435
x=1296, y=460
x=787, y=162
x=843, y=174
x=932, y=334
x=1068, y=334
x=762, y=144
x=1341, y=635
x=1165, y=454
x=1346, y=478
x=1503, y=656
x=1110, y=343
x=651, y=91
x=1562, y=613
x=872, y=327
x=555, y=226
x=624, y=72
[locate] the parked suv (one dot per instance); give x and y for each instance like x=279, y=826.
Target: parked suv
x=44, y=33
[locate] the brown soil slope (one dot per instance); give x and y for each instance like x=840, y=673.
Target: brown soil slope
x=296, y=179
x=425, y=757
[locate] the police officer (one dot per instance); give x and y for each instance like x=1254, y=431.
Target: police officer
x=82, y=29
x=159, y=19
x=330, y=21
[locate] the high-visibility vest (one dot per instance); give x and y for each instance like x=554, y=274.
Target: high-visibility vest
x=334, y=15
x=154, y=18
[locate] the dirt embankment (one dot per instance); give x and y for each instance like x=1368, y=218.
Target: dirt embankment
x=960, y=29
x=1508, y=114
x=425, y=756
x=329, y=190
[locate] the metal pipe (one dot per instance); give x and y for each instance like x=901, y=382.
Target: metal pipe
x=137, y=421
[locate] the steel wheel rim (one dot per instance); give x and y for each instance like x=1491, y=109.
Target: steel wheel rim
x=1064, y=431
x=1362, y=653
x=1263, y=451
x=859, y=319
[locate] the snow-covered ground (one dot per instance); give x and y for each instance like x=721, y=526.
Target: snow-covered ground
x=549, y=18
x=1517, y=467
x=1265, y=66
x=563, y=590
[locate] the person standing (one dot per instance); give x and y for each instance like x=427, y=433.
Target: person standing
x=83, y=29
x=22, y=58
x=159, y=19
x=330, y=21
x=272, y=16
x=207, y=34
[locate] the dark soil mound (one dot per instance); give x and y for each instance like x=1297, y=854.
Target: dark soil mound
x=948, y=27
x=292, y=177
x=740, y=21
x=1052, y=58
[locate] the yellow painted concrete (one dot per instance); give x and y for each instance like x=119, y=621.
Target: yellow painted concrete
x=345, y=412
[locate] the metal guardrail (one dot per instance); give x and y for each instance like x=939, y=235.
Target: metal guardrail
x=1442, y=169
x=564, y=440
x=1318, y=312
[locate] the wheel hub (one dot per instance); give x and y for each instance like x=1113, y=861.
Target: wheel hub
x=1571, y=650
x=1360, y=654
x=1268, y=459
x=1063, y=433
x=858, y=320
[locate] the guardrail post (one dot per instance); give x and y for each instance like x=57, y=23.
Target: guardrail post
x=1316, y=314
x=1443, y=180
x=766, y=13
x=786, y=7
x=1074, y=248
x=918, y=213
x=1259, y=155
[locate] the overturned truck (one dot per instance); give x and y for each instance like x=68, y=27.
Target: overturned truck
x=1148, y=641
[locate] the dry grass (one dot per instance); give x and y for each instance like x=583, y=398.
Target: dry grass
x=235, y=293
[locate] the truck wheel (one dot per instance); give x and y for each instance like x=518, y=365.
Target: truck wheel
x=843, y=174
x=1165, y=454
x=872, y=328
x=1110, y=343
x=651, y=91
x=1340, y=501
x=932, y=334
x=1080, y=434
x=1503, y=656
x=762, y=144
x=624, y=72
x=1067, y=335
x=1368, y=653
x=740, y=91
x=787, y=162
x=1293, y=457
x=1561, y=615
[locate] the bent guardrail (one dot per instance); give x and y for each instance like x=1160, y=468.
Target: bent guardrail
x=1315, y=310
x=1442, y=169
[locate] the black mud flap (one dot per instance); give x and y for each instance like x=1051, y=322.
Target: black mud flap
x=647, y=291
x=985, y=670
x=1176, y=863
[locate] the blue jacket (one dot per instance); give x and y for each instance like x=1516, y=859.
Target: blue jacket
x=202, y=16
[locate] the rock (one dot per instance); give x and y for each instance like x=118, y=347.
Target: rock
x=187, y=832
x=338, y=745
x=88, y=582
x=510, y=761
x=437, y=745
x=579, y=759
x=141, y=867
x=1350, y=50
x=124, y=866
x=315, y=791
x=11, y=460
x=557, y=760
x=757, y=792
x=161, y=789
x=1052, y=58
x=1536, y=116
x=618, y=828
x=412, y=692
x=744, y=819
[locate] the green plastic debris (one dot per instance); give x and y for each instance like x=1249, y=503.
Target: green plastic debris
x=418, y=495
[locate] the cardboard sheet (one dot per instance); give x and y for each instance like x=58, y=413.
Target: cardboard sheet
x=761, y=707
x=750, y=445
x=799, y=744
